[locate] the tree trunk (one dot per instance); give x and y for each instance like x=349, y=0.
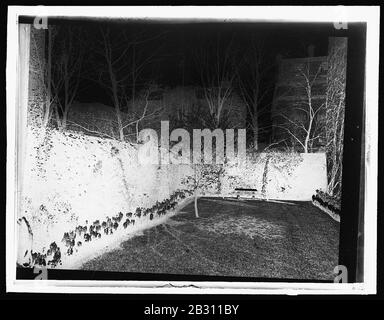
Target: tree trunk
x=116, y=100
x=255, y=135
x=265, y=178
x=196, y=209
x=117, y=110
x=133, y=77
x=137, y=131
x=49, y=77
x=306, y=144
x=308, y=135
x=64, y=121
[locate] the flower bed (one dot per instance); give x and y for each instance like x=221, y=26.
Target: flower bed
x=328, y=204
x=82, y=234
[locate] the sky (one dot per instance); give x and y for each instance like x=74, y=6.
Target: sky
x=175, y=46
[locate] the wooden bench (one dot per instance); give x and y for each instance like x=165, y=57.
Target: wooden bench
x=252, y=192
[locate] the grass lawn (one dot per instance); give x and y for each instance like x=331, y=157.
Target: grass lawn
x=233, y=238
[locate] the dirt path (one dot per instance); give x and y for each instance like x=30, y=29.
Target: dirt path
x=247, y=238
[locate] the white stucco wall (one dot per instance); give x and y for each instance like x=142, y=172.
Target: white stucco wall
x=71, y=178
x=288, y=177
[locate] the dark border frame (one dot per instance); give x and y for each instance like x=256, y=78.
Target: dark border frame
x=353, y=139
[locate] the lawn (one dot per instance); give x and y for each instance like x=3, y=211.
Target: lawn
x=233, y=238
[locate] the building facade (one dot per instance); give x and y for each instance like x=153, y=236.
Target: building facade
x=305, y=105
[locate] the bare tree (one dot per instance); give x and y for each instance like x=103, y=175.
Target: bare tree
x=114, y=61
x=253, y=87
x=120, y=71
x=68, y=54
x=302, y=122
x=140, y=58
x=217, y=68
x=135, y=118
x=204, y=176
x=41, y=72
x=104, y=125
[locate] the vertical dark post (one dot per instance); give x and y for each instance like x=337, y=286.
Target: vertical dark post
x=354, y=105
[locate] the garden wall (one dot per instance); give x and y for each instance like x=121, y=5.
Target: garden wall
x=73, y=180
x=77, y=186
x=284, y=176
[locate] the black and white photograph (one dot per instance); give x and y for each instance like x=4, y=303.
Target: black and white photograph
x=153, y=147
